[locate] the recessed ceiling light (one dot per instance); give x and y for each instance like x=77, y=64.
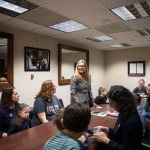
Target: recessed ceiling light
x=100, y=38
x=15, y=8
x=134, y=11
x=12, y=7
x=120, y=45
x=103, y=38
x=116, y=45
x=69, y=26
x=123, y=13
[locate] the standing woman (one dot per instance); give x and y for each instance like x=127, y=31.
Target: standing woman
x=46, y=104
x=80, y=85
x=8, y=109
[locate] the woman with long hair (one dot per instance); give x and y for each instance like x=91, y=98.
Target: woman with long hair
x=46, y=104
x=8, y=108
x=127, y=132
x=80, y=85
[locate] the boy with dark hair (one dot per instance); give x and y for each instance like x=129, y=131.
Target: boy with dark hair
x=76, y=118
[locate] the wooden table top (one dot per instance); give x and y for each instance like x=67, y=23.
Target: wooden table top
x=35, y=137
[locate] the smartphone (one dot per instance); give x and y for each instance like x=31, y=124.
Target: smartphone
x=92, y=131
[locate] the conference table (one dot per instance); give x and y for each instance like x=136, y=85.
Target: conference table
x=35, y=137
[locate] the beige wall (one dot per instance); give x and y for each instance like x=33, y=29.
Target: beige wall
x=117, y=65
x=22, y=80
x=107, y=68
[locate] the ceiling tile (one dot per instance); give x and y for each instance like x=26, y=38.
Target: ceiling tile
x=40, y=2
x=21, y=24
x=139, y=23
x=87, y=33
x=47, y=31
x=43, y=17
x=113, y=28
x=99, y=18
x=126, y=35
x=74, y=8
x=4, y=18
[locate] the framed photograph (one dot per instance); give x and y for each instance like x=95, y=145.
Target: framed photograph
x=36, y=59
x=136, y=68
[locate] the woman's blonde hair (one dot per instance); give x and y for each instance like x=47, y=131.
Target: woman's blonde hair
x=85, y=76
x=46, y=90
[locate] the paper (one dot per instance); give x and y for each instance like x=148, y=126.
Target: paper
x=115, y=114
x=99, y=107
x=101, y=114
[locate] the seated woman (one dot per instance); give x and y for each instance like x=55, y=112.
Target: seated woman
x=46, y=104
x=102, y=96
x=147, y=103
x=8, y=109
x=141, y=89
x=127, y=132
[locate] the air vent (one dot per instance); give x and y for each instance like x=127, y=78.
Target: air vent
x=94, y=40
x=144, y=32
x=125, y=44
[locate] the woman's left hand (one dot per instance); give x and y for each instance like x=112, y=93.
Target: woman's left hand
x=101, y=137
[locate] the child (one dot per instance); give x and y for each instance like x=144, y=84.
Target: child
x=76, y=118
x=21, y=121
x=147, y=102
x=141, y=111
x=102, y=96
x=83, y=140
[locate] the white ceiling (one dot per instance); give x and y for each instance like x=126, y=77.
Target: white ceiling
x=92, y=13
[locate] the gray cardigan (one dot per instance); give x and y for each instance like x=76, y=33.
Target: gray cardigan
x=79, y=90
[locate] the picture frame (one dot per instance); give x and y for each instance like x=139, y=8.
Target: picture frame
x=36, y=59
x=136, y=68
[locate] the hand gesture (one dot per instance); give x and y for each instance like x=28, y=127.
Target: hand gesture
x=102, y=128
x=101, y=137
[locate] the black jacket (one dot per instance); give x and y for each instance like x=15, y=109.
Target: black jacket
x=126, y=135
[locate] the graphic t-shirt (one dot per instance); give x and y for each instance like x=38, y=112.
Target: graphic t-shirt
x=50, y=109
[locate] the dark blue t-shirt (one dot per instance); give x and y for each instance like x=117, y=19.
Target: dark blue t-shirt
x=140, y=91
x=50, y=109
x=14, y=128
x=6, y=117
